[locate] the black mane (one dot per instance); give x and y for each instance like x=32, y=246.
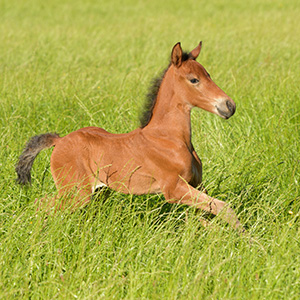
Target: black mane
x=151, y=97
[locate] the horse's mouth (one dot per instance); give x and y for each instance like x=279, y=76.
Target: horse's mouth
x=228, y=112
x=223, y=114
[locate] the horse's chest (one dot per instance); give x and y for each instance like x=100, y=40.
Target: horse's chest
x=196, y=176
x=196, y=173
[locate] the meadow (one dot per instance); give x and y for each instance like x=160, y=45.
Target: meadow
x=70, y=64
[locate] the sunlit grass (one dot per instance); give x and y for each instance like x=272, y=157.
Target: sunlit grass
x=69, y=64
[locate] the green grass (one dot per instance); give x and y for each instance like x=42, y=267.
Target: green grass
x=69, y=64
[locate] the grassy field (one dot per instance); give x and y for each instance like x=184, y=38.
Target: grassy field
x=69, y=64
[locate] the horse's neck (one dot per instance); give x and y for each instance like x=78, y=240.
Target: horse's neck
x=170, y=116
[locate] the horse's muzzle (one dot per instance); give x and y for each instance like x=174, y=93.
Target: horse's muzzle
x=226, y=108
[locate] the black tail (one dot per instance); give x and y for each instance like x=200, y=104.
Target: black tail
x=31, y=150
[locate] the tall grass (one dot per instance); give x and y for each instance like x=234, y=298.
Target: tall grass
x=69, y=64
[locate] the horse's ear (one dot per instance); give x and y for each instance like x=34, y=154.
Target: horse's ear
x=194, y=53
x=176, y=56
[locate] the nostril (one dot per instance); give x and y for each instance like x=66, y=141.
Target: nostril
x=230, y=106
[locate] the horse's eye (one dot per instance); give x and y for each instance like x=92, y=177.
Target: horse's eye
x=194, y=80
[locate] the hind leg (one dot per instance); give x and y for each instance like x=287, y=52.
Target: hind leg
x=73, y=184
x=68, y=198
x=72, y=174
x=74, y=189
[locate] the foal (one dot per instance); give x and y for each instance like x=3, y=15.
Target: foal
x=158, y=157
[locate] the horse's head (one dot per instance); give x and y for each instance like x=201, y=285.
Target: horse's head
x=194, y=85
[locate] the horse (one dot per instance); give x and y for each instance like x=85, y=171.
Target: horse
x=157, y=157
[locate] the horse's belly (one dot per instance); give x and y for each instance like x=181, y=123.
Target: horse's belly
x=136, y=184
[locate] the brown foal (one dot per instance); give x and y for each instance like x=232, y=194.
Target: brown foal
x=157, y=157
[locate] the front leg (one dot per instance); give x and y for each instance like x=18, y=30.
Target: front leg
x=184, y=193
